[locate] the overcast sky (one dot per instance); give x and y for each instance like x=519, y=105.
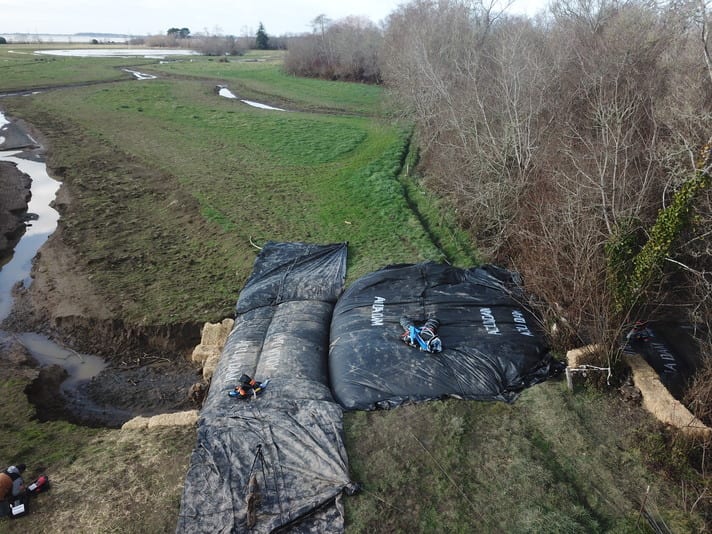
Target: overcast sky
x=235, y=17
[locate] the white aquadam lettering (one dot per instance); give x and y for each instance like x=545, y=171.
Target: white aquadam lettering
x=667, y=357
x=377, y=311
x=520, y=323
x=488, y=322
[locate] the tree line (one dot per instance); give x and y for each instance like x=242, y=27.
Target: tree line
x=564, y=143
x=214, y=44
x=346, y=49
x=560, y=140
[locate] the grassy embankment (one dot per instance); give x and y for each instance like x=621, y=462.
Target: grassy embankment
x=169, y=184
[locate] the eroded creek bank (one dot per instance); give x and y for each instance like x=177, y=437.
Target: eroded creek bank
x=85, y=364
x=14, y=196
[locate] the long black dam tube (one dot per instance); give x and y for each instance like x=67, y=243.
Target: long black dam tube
x=272, y=461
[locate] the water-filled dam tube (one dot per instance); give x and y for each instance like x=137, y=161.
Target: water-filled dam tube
x=492, y=345
x=276, y=460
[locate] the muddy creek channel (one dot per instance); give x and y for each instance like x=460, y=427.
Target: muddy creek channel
x=81, y=388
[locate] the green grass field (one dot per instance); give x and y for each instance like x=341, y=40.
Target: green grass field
x=550, y=462
x=21, y=68
x=257, y=75
x=168, y=166
x=170, y=183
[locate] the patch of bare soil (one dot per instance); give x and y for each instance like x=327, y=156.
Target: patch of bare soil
x=15, y=361
x=147, y=374
x=122, y=393
x=145, y=387
x=149, y=371
x=115, y=396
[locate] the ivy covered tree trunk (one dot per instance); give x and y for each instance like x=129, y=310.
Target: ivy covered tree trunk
x=631, y=278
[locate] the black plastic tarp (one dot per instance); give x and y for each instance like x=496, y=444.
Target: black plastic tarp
x=492, y=344
x=670, y=348
x=276, y=461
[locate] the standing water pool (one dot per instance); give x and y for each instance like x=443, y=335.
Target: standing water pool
x=42, y=221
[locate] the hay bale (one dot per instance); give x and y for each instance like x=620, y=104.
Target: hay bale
x=583, y=355
x=137, y=423
x=215, y=334
x=165, y=419
x=660, y=402
x=174, y=419
x=212, y=340
x=210, y=364
x=202, y=352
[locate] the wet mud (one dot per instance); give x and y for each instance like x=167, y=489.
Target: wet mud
x=14, y=197
x=148, y=370
x=141, y=386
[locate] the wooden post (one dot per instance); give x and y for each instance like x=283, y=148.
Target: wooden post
x=569, y=380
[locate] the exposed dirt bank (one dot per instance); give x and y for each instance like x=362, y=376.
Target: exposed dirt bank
x=63, y=303
x=14, y=196
x=149, y=370
x=142, y=387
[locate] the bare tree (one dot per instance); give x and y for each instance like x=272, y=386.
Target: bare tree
x=346, y=49
x=553, y=140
